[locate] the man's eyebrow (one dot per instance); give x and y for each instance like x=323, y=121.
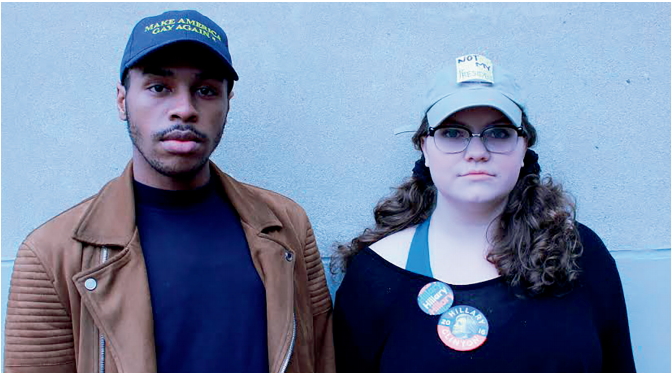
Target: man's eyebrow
x=209, y=74
x=157, y=71
x=203, y=75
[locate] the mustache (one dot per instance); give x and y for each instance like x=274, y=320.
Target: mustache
x=181, y=128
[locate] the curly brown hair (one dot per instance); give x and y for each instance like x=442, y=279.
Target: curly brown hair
x=536, y=246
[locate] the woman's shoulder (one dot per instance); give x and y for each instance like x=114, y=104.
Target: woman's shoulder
x=371, y=270
x=593, y=247
x=395, y=247
x=597, y=265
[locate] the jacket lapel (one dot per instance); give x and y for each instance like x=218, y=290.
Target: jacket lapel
x=276, y=272
x=120, y=304
x=274, y=260
x=110, y=220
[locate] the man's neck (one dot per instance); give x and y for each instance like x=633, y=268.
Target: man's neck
x=145, y=174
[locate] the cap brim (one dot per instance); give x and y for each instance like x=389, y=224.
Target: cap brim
x=148, y=52
x=474, y=97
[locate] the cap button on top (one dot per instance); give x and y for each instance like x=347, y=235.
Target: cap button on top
x=90, y=284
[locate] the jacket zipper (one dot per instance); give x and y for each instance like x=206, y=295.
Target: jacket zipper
x=285, y=363
x=102, y=338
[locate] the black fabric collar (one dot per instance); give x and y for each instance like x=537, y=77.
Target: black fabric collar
x=166, y=199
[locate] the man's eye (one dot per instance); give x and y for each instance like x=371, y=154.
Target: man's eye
x=207, y=91
x=157, y=88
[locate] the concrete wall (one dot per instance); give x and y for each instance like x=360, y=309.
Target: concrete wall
x=323, y=86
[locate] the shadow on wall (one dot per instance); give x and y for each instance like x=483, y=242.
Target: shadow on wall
x=646, y=276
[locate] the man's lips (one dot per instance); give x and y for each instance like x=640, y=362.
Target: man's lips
x=181, y=142
x=182, y=136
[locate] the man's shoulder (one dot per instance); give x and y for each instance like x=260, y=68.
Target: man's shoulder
x=278, y=203
x=60, y=228
x=271, y=197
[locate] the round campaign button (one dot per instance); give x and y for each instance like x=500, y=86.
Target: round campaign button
x=463, y=328
x=435, y=298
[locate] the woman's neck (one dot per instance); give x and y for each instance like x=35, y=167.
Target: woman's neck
x=460, y=237
x=467, y=219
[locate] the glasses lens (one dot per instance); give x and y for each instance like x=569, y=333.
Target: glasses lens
x=500, y=139
x=451, y=139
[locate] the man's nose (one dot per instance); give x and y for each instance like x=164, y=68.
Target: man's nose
x=184, y=107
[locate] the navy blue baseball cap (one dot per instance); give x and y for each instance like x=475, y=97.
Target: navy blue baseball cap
x=154, y=33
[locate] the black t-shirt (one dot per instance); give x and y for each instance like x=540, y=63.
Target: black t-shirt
x=378, y=325
x=207, y=298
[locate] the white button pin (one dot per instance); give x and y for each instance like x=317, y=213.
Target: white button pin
x=90, y=284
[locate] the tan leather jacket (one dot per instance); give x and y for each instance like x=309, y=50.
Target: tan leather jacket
x=79, y=297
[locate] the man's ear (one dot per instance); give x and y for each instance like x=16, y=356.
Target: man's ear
x=121, y=101
x=231, y=94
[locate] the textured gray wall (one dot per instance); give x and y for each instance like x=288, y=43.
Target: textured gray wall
x=323, y=86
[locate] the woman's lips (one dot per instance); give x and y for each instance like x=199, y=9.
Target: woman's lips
x=478, y=175
x=478, y=172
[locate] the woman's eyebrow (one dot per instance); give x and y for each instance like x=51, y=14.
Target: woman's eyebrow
x=451, y=121
x=501, y=120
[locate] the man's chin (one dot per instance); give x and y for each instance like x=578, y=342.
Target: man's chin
x=179, y=170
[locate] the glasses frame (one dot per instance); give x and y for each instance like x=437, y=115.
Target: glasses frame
x=519, y=130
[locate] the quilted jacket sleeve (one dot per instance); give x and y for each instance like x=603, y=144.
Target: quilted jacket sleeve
x=320, y=299
x=38, y=329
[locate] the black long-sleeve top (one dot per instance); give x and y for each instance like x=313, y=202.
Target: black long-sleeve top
x=379, y=327
x=207, y=299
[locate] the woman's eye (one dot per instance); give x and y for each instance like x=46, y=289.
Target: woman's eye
x=499, y=133
x=452, y=133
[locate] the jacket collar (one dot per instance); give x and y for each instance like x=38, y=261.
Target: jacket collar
x=110, y=219
x=247, y=202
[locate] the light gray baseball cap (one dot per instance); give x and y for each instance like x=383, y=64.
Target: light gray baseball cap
x=472, y=81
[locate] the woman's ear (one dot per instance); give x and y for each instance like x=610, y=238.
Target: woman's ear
x=424, y=152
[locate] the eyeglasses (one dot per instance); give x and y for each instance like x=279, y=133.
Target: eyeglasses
x=496, y=139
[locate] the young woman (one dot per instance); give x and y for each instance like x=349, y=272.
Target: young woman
x=475, y=264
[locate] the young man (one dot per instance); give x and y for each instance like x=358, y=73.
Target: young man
x=173, y=266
